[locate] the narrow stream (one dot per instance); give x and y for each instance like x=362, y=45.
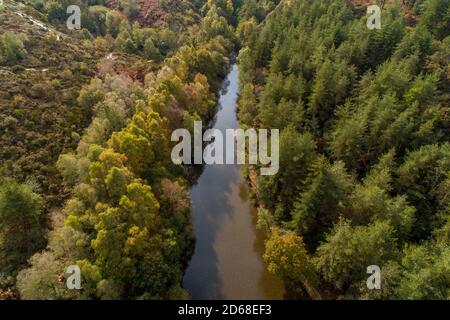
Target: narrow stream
x=227, y=262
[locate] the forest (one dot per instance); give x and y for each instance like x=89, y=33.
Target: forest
x=364, y=145
x=86, y=116
x=105, y=152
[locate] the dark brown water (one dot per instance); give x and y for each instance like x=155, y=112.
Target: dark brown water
x=227, y=261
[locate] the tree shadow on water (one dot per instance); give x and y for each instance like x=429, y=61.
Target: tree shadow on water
x=211, y=207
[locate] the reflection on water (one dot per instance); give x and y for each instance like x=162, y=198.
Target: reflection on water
x=227, y=261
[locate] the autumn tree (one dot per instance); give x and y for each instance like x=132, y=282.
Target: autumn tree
x=344, y=257
x=287, y=257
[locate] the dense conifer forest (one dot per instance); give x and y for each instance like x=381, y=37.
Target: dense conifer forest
x=364, y=145
x=86, y=121
x=86, y=118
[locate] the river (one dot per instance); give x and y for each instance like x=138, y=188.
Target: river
x=227, y=261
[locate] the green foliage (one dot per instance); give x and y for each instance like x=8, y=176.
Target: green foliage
x=127, y=223
x=12, y=48
x=113, y=20
x=21, y=224
x=287, y=257
x=55, y=11
x=297, y=153
x=324, y=198
x=41, y=282
x=95, y=20
x=363, y=150
x=422, y=174
x=129, y=7
x=426, y=274
x=382, y=43
x=331, y=84
x=348, y=250
x=421, y=274
x=436, y=17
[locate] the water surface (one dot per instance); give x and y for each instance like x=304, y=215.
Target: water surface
x=227, y=261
